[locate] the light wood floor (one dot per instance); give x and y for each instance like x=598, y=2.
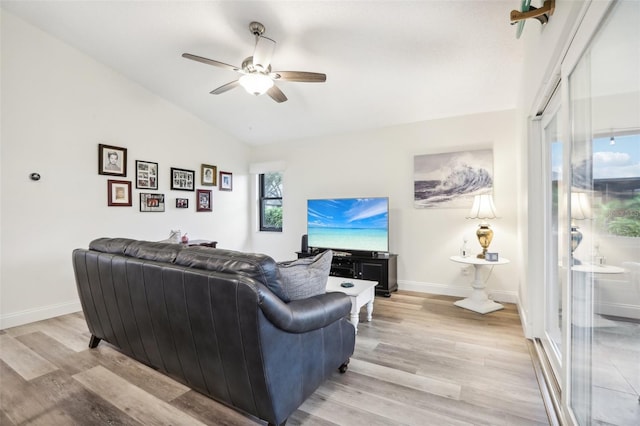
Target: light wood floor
x=421, y=361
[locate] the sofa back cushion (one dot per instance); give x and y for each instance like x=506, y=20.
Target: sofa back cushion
x=259, y=267
x=110, y=245
x=147, y=250
x=306, y=277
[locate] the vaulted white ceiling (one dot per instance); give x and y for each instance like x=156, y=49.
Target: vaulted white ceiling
x=387, y=62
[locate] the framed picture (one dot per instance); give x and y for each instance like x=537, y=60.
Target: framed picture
x=204, y=200
x=146, y=175
x=182, y=203
x=150, y=202
x=119, y=193
x=450, y=180
x=226, y=181
x=182, y=180
x=208, y=175
x=491, y=257
x=112, y=160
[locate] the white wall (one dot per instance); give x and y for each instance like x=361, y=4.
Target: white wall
x=380, y=163
x=57, y=106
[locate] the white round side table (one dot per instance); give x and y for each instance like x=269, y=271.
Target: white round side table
x=479, y=300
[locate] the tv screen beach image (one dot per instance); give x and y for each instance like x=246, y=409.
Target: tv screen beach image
x=349, y=224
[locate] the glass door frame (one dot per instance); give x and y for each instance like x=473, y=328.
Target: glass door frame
x=589, y=26
x=552, y=111
x=589, y=21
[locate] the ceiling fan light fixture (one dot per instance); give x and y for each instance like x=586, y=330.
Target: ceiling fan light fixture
x=256, y=83
x=256, y=75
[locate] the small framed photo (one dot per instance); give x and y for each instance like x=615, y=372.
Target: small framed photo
x=182, y=203
x=208, y=175
x=146, y=175
x=204, y=200
x=150, y=202
x=491, y=257
x=226, y=181
x=112, y=160
x=119, y=193
x=182, y=180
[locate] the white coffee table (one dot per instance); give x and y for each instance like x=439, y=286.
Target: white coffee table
x=362, y=293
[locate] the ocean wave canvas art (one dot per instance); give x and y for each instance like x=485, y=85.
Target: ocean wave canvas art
x=450, y=180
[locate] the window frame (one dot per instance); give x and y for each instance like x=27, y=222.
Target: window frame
x=263, y=200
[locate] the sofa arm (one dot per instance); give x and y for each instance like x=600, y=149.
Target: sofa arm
x=300, y=316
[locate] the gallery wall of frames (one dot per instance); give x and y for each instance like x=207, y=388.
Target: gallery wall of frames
x=197, y=186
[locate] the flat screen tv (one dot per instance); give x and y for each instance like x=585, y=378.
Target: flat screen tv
x=349, y=224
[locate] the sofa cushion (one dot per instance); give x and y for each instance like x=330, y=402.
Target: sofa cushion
x=110, y=245
x=305, y=277
x=149, y=250
x=260, y=267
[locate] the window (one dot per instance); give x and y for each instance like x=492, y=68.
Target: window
x=270, y=202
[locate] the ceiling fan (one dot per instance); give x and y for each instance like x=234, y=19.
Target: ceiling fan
x=257, y=77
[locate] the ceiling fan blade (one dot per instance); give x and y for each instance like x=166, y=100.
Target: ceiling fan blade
x=300, y=76
x=210, y=62
x=225, y=88
x=276, y=94
x=263, y=52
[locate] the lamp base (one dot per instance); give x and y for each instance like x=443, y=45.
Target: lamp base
x=485, y=235
x=576, y=237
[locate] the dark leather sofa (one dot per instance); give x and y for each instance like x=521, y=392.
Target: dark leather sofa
x=212, y=319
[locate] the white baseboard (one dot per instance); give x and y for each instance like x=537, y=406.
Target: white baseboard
x=618, y=310
x=46, y=312
x=456, y=291
x=524, y=320
x=38, y=314
x=433, y=288
x=504, y=296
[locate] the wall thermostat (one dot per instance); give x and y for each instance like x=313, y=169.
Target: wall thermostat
x=491, y=257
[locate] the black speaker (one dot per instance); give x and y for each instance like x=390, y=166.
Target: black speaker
x=304, y=244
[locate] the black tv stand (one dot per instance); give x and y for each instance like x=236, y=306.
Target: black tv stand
x=380, y=267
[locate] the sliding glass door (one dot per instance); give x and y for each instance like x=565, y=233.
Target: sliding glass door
x=604, y=207
x=589, y=135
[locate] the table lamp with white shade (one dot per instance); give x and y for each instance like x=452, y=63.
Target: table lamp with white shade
x=483, y=208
